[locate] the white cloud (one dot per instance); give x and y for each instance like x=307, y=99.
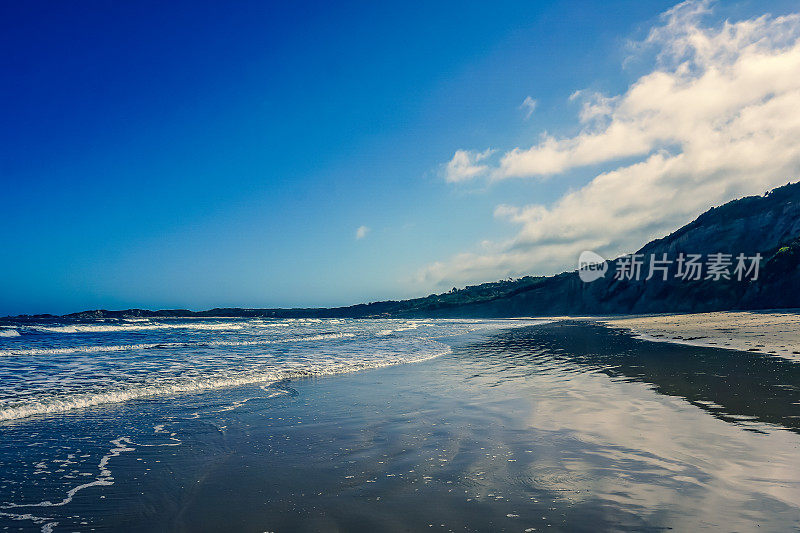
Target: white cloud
x=717, y=118
x=529, y=105
x=465, y=165
x=361, y=232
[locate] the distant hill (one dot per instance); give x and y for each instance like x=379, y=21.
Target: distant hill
x=769, y=225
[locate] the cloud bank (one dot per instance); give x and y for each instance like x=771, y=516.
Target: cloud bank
x=717, y=118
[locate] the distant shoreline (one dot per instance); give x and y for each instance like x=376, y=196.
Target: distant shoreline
x=356, y=311
x=769, y=331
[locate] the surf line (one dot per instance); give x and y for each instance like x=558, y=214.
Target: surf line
x=48, y=524
x=121, y=445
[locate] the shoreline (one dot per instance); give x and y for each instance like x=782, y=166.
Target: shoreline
x=533, y=428
x=775, y=333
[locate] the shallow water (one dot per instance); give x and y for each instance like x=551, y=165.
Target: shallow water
x=563, y=426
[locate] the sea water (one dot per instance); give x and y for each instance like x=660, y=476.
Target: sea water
x=240, y=425
x=53, y=367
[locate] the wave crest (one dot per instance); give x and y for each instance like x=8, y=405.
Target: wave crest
x=333, y=367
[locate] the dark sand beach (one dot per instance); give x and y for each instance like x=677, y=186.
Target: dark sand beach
x=567, y=426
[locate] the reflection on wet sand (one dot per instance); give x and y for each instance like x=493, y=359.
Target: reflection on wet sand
x=737, y=387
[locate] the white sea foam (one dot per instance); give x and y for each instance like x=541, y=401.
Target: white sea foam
x=136, y=326
x=289, y=370
x=47, y=524
x=107, y=372
x=272, y=392
x=163, y=345
x=104, y=478
x=405, y=327
x=9, y=332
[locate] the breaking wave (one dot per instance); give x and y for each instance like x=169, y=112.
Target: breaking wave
x=163, y=345
x=328, y=367
x=135, y=326
x=48, y=372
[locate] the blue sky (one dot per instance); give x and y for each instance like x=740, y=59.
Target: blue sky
x=207, y=154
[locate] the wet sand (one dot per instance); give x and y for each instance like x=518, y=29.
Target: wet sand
x=568, y=426
x=775, y=333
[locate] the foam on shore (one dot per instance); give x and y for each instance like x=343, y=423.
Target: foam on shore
x=166, y=345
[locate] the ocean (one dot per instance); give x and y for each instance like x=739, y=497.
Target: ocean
x=52, y=367
x=389, y=425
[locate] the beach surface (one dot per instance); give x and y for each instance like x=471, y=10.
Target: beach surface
x=774, y=333
x=563, y=426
